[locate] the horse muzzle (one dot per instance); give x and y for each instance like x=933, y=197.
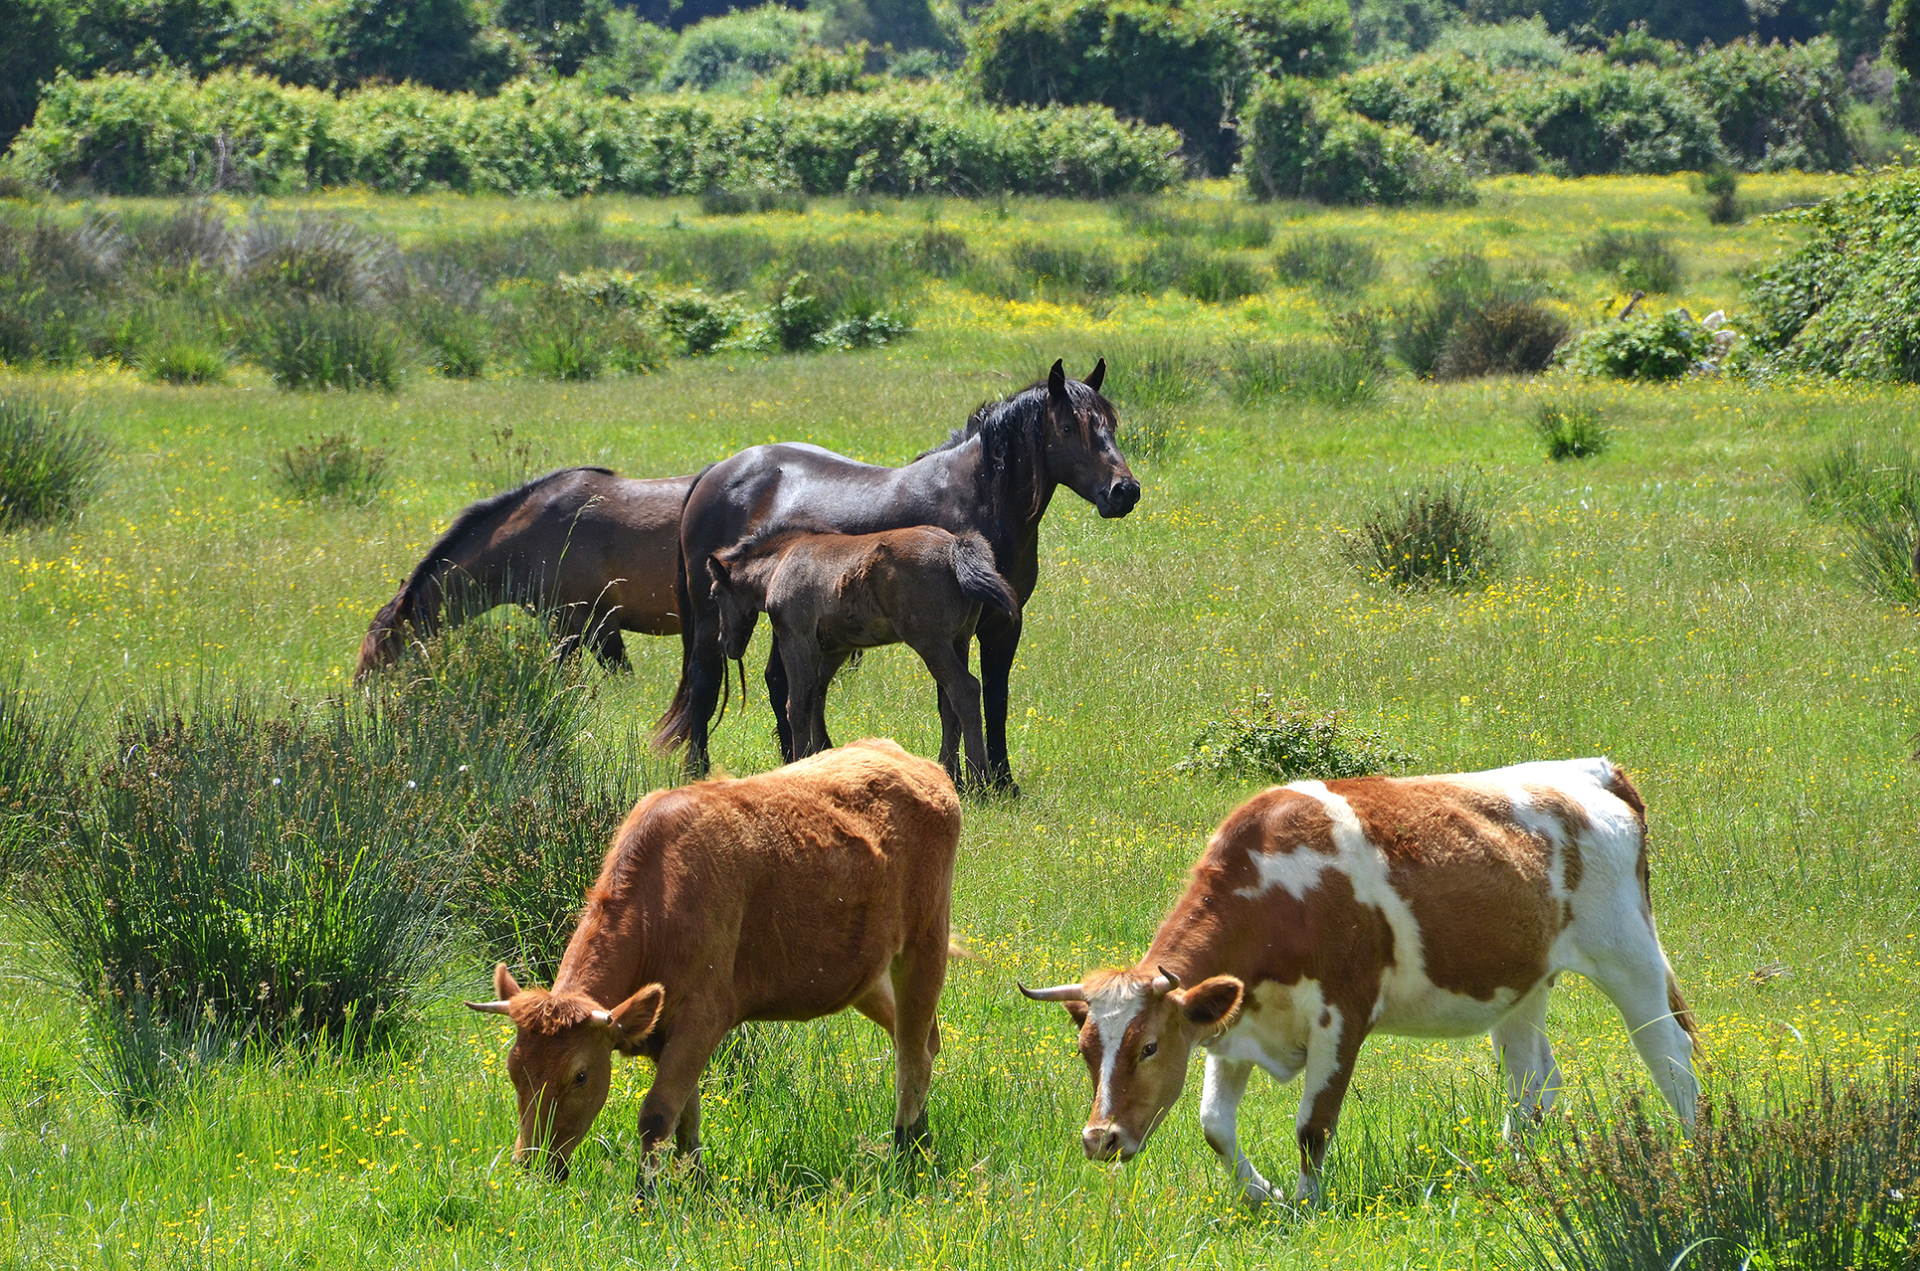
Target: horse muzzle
x=1118, y=499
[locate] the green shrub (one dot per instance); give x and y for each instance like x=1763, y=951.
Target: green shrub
x=1643, y=347
x=1846, y=302
x=728, y=51
x=1778, y=107
x=1642, y=262
x=41, y=777
x=1828, y=1176
x=700, y=321
x=457, y=339
x=1331, y=261
x=816, y=71
x=333, y=467
x=50, y=461
x=798, y=317
x=1721, y=185
x=1572, y=430
x=316, y=258
x=1300, y=144
x=1290, y=37
x=248, y=877
x=158, y=135
x=1289, y=742
x=1471, y=323
x=1524, y=44
x=1440, y=534
x=863, y=325
x=324, y=345
x=184, y=360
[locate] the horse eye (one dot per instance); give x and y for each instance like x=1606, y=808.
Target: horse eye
x=1149, y=1050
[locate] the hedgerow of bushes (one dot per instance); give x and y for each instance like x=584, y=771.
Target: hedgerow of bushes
x=1846, y=302
x=1300, y=144
x=168, y=133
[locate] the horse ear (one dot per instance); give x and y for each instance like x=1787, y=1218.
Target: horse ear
x=1097, y=374
x=1057, y=384
x=717, y=568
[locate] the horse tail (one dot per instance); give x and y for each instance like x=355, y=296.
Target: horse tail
x=979, y=581
x=675, y=728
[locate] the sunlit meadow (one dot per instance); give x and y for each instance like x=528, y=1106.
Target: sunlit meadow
x=1670, y=603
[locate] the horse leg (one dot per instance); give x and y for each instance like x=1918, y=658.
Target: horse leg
x=962, y=695
x=777, y=690
x=949, y=735
x=997, y=648
x=705, y=671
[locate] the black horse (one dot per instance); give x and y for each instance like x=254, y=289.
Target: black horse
x=994, y=477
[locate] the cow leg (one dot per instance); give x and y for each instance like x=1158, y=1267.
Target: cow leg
x=686, y=1134
x=877, y=1004
x=1520, y=1044
x=1636, y=980
x=962, y=694
x=919, y=973
x=676, y=1082
x=777, y=689
x=1220, y=1095
x=996, y=667
x=1332, y=1047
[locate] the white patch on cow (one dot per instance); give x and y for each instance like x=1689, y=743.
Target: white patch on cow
x=1298, y=871
x=1272, y=1029
x=1112, y=1012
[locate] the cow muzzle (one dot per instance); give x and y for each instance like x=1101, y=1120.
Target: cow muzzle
x=1107, y=1142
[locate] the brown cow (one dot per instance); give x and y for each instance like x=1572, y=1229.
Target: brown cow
x=830, y=595
x=597, y=550
x=786, y=896
x=1417, y=906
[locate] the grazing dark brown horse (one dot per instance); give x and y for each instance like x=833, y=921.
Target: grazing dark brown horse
x=994, y=477
x=595, y=549
x=829, y=595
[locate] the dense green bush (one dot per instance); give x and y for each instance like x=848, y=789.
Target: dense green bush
x=1289, y=742
x=731, y=50
x=1643, y=347
x=167, y=133
x=324, y=344
x=1778, y=107
x=50, y=461
x=1846, y=302
x=1301, y=144
x=1471, y=322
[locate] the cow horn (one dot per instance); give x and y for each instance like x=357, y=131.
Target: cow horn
x=1058, y=993
x=488, y=1008
x=1167, y=981
x=603, y=1018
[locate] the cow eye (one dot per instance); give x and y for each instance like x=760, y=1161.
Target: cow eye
x=580, y=1078
x=1149, y=1050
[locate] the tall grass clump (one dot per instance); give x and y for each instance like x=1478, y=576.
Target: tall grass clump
x=1149, y=380
x=1436, y=535
x=50, y=461
x=1641, y=262
x=1801, y=1180
x=324, y=344
x=333, y=467
x=1855, y=475
x=184, y=360
x=1289, y=741
x=1473, y=323
x=1571, y=430
x=249, y=877
x=1347, y=370
x=1331, y=262
x=41, y=763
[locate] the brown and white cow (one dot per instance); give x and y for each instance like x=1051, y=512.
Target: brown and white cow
x=785, y=896
x=1416, y=906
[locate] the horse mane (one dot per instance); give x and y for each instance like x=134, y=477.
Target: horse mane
x=464, y=524
x=1013, y=428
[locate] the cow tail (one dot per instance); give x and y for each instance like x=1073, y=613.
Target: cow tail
x=979, y=581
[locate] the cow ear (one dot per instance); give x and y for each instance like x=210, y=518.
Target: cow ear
x=1097, y=375
x=1214, y=1004
x=505, y=987
x=1057, y=385
x=1079, y=1012
x=638, y=1014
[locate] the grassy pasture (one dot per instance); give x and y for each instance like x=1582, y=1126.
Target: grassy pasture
x=1670, y=603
